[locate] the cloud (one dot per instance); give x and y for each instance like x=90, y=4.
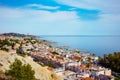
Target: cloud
x=40, y=6
x=76, y=3
x=107, y=6
x=42, y=15
x=36, y=21
x=59, y=22
x=10, y=13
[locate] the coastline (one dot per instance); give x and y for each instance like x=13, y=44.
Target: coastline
x=97, y=45
x=85, y=51
x=59, y=60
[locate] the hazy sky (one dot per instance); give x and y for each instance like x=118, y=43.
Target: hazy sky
x=60, y=17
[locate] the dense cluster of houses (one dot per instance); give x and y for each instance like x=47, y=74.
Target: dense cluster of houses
x=69, y=64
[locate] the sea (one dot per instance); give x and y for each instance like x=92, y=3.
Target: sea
x=99, y=45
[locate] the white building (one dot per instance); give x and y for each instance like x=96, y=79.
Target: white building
x=73, y=64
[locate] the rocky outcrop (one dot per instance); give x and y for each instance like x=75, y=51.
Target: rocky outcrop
x=41, y=73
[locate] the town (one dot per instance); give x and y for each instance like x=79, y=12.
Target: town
x=68, y=64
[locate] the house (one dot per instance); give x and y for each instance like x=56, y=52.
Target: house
x=73, y=63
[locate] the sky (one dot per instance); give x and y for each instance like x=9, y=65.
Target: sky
x=60, y=17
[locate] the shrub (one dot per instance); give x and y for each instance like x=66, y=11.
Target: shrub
x=4, y=42
x=55, y=53
x=4, y=49
x=21, y=52
x=21, y=72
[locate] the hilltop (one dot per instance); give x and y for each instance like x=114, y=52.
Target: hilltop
x=18, y=35
x=14, y=45
x=41, y=73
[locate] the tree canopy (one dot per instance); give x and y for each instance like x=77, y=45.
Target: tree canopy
x=111, y=61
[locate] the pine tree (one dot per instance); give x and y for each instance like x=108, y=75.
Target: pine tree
x=21, y=72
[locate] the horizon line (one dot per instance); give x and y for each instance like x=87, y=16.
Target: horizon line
x=81, y=35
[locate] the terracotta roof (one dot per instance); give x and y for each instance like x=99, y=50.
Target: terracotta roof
x=83, y=67
x=88, y=78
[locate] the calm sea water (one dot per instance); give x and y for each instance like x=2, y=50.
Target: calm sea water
x=98, y=45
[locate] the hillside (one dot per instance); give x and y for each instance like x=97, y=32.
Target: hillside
x=41, y=73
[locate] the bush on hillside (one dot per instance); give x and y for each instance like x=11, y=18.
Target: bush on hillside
x=4, y=49
x=21, y=72
x=55, y=53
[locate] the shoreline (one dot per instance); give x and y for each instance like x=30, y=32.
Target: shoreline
x=59, y=59
x=96, y=45
x=84, y=51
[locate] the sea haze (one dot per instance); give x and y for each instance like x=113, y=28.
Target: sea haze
x=99, y=45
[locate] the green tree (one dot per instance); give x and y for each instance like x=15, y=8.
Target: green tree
x=111, y=61
x=21, y=72
x=55, y=53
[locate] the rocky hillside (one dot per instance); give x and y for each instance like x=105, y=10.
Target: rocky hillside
x=41, y=73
